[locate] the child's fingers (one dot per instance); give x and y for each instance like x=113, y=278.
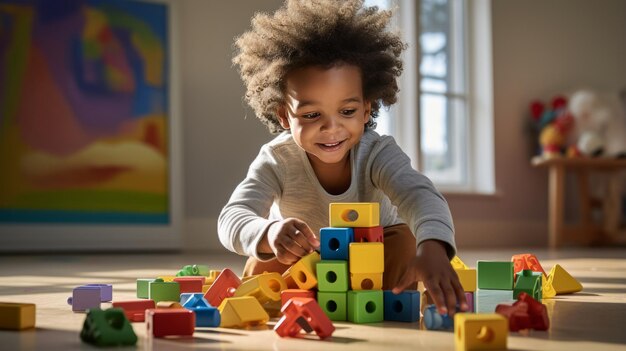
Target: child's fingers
x=460, y=294
x=301, y=239
x=290, y=245
x=449, y=295
x=284, y=256
x=407, y=279
x=308, y=233
x=436, y=294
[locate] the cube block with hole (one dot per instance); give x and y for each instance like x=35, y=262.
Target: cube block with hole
x=480, y=331
x=332, y=276
x=467, y=278
x=367, y=258
x=357, y=214
x=369, y=234
x=333, y=304
x=366, y=281
x=404, y=307
x=334, y=243
x=304, y=273
x=17, y=316
x=164, y=322
x=264, y=287
x=365, y=306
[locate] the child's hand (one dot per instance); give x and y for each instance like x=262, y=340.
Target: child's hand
x=291, y=239
x=432, y=267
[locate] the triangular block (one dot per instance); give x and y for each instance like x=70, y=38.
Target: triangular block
x=107, y=328
x=241, y=312
x=563, y=282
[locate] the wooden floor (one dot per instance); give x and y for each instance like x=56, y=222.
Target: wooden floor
x=594, y=319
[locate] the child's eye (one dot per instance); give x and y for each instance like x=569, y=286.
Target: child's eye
x=311, y=115
x=348, y=112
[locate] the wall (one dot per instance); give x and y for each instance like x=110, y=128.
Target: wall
x=540, y=48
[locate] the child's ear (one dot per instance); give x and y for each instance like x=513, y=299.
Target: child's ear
x=368, y=111
x=281, y=112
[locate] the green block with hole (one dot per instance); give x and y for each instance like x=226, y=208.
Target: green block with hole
x=164, y=291
x=365, y=306
x=107, y=328
x=495, y=275
x=333, y=304
x=332, y=276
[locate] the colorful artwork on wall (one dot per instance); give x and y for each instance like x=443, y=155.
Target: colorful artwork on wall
x=84, y=112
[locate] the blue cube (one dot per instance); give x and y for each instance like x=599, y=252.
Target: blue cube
x=404, y=307
x=207, y=316
x=334, y=243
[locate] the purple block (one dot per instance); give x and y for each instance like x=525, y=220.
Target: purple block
x=84, y=298
x=469, y=296
x=106, y=291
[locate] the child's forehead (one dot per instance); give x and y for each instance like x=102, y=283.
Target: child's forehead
x=310, y=76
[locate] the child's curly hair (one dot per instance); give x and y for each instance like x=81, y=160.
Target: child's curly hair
x=322, y=33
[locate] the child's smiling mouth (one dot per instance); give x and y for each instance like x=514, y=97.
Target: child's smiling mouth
x=331, y=146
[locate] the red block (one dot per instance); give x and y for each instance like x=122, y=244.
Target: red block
x=526, y=261
x=287, y=294
x=170, y=322
x=224, y=286
x=303, y=312
x=190, y=284
x=135, y=310
x=370, y=235
x=525, y=313
x=538, y=312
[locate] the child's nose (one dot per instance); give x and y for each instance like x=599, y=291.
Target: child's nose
x=331, y=123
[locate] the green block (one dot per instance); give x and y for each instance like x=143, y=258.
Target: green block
x=530, y=283
x=365, y=306
x=193, y=270
x=143, y=288
x=107, y=328
x=164, y=291
x=495, y=275
x=333, y=304
x=332, y=276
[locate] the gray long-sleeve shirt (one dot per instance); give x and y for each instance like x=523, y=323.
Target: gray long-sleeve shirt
x=281, y=183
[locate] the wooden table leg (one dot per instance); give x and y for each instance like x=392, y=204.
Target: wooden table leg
x=613, y=205
x=587, y=230
x=555, y=205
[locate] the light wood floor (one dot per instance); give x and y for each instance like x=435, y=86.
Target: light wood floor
x=591, y=320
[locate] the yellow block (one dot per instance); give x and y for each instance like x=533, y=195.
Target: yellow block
x=206, y=288
x=457, y=263
x=241, y=312
x=547, y=290
x=367, y=258
x=212, y=276
x=264, y=287
x=563, y=282
x=467, y=277
x=167, y=278
x=168, y=304
x=304, y=272
x=17, y=316
x=480, y=331
x=366, y=281
x=357, y=214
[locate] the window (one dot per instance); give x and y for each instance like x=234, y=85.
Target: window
x=443, y=119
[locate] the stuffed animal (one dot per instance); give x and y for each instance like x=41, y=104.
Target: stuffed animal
x=552, y=124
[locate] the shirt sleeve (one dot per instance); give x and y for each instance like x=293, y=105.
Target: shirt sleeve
x=244, y=220
x=419, y=203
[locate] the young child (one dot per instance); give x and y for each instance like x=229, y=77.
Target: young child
x=318, y=71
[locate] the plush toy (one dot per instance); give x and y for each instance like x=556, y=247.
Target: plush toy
x=600, y=128
x=552, y=123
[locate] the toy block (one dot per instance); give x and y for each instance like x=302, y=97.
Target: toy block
x=404, y=307
x=224, y=286
x=366, y=281
x=359, y=214
x=194, y=300
x=273, y=308
x=190, y=284
x=547, y=290
x=537, y=311
x=517, y=315
x=287, y=294
x=207, y=316
x=106, y=291
x=562, y=281
x=135, y=310
x=480, y=331
x=495, y=275
x=291, y=283
x=369, y=235
x=167, y=278
x=334, y=304
x=471, y=301
x=457, y=263
x=303, y=272
x=206, y=288
x=143, y=288
x=107, y=328
x=334, y=243
x=433, y=320
x=170, y=322
x=332, y=276
x=17, y=316
x=191, y=270
x=467, y=278
x=264, y=287
x=303, y=313
x=169, y=304
x=210, y=278
x=526, y=261
x=367, y=258
x=365, y=306
x=164, y=291
x=242, y=312
x=84, y=298
x=529, y=282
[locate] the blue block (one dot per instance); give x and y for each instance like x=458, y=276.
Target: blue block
x=189, y=300
x=106, y=291
x=207, y=316
x=335, y=242
x=435, y=321
x=404, y=307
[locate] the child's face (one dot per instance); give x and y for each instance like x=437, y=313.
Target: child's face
x=325, y=111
